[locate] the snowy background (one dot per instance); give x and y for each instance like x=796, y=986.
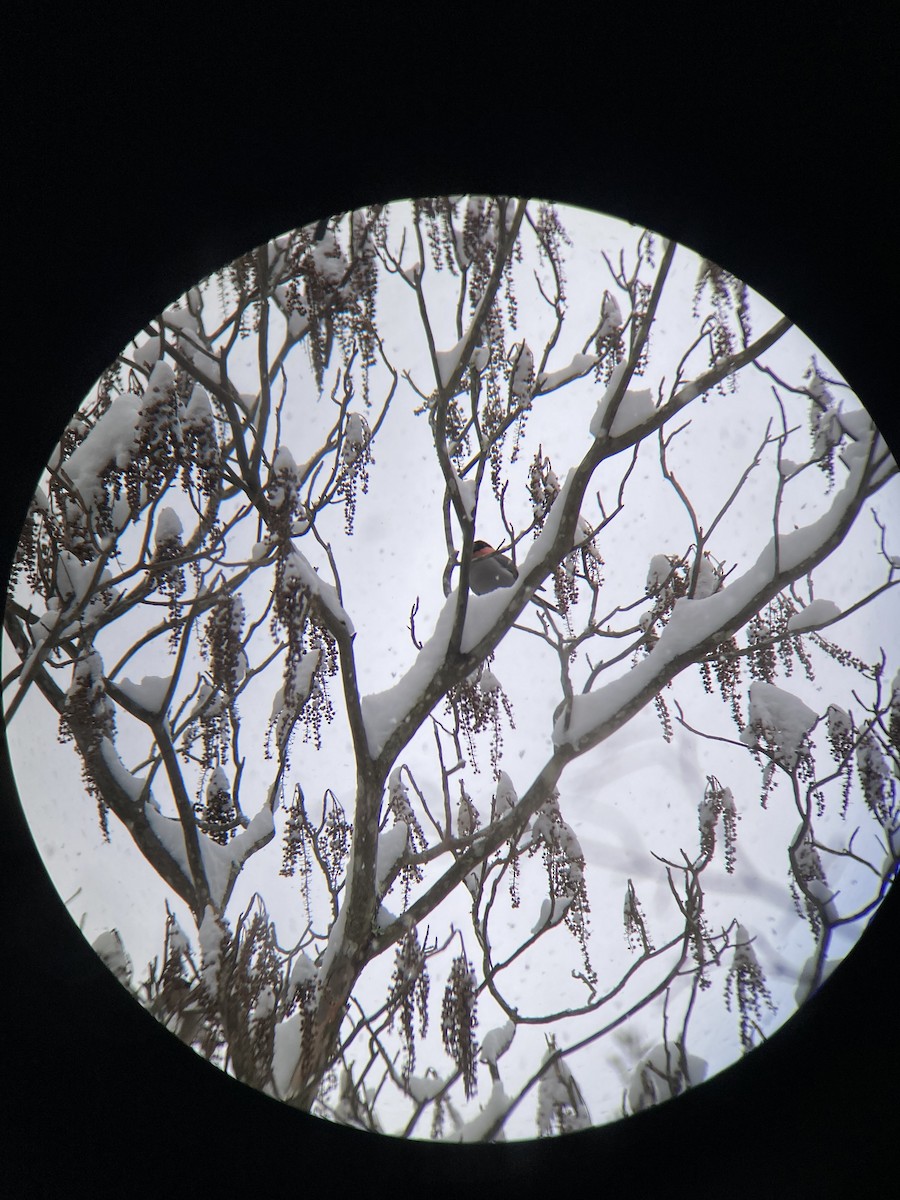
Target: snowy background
x=634, y=795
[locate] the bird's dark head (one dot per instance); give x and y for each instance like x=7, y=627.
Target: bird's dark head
x=480, y=548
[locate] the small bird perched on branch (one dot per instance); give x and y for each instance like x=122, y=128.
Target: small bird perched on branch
x=489, y=569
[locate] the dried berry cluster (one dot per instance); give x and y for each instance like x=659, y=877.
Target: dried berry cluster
x=331, y=290
x=543, y=487
x=808, y=883
x=730, y=299
x=168, y=572
x=356, y=458
x=565, y=865
x=637, y=935
x=459, y=1020
x=408, y=996
x=476, y=705
x=223, y=648
x=825, y=430
x=467, y=244
x=217, y=817
x=609, y=344
x=310, y=660
x=718, y=802
x=328, y=843
x=879, y=783
x=746, y=981
x=90, y=718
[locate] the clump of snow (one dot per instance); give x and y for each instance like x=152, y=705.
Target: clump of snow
x=161, y=382
x=303, y=971
x=558, y=1093
x=132, y=785
x=858, y=424
x=496, y=1042
x=840, y=723
x=658, y=573
x=75, y=579
x=112, y=440
x=827, y=432
x=42, y=629
x=423, y=1088
x=523, y=373
x=465, y=818
x=150, y=694
x=384, y=919
x=610, y=317
x=384, y=711
x=816, y=613
x=218, y=863
x=265, y=1004
x=488, y=683
x=744, y=954
x=391, y=848
x=662, y=1073
x=468, y=493
x=357, y=436
x=168, y=527
x=823, y=895
x=199, y=410
x=334, y=943
x=286, y=1052
x=800, y=544
x=283, y=463
x=191, y=341
x=212, y=937
x=634, y=409
x=148, y=353
x=480, y=357
x=179, y=942
x=552, y=912
x=299, y=568
x=298, y=688
x=111, y=949
x=506, y=796
x=709, y=579
x=169, y=833
x=448, y=361
x=218, y=782
x=495, y=1109
x=549, y=381
x=261, y=829
x=781, y=719
x=807, y=977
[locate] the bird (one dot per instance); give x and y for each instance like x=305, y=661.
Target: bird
x=489, y=569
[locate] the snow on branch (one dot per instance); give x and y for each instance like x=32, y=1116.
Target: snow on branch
x=698, y=623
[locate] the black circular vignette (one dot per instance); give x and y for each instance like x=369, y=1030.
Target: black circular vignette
x=114, y=218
